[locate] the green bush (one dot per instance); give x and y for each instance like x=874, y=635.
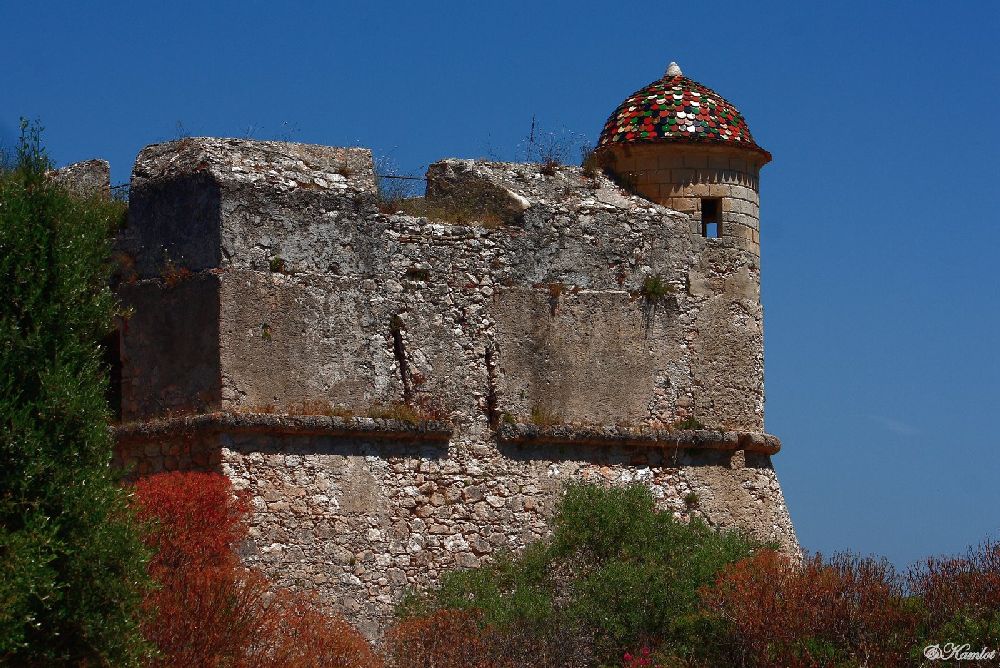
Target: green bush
x=510, y=590
x=615, y=567
x=72, y=567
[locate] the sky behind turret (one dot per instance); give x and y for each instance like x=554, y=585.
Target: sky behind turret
x=878, y=215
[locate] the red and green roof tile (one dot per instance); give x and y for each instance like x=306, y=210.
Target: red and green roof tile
x=677, y=109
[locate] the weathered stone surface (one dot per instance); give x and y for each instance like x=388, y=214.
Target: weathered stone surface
x=203, y=203
x=536, y=340
x=87, y=178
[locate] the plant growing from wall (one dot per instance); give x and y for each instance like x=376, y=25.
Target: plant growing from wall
x=655, y=288
x=543, y=415
x=550, y=148
x=72, y=567
x=173, y=274
x=277, y=265
x=590, y=163
x=687, y=423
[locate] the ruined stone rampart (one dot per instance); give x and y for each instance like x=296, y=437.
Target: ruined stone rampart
x=287, y=332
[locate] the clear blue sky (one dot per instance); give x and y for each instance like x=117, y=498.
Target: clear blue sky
x=879, y=213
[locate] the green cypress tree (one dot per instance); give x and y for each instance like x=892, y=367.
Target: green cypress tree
x=72, y=565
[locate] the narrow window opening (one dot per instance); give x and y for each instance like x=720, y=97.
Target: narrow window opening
x=711, y=227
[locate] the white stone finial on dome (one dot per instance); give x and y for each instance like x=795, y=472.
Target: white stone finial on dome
x=673, y=70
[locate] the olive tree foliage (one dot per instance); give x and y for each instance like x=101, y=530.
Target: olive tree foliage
x=72, y=566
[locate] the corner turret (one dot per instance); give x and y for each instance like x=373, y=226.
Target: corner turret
x=681, y=144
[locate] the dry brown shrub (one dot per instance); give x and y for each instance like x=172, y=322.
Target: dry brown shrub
x=425, y=408
x=969, y=584
x=543, y=415
x=443, y=639
x=549, y=645
x=173, y=274
x=301, y=636
x=453, y=212
x=460, y=639
x=319, y=407
x=819, y=613
x=549, y=166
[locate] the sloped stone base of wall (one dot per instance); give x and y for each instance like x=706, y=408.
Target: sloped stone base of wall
x=359, y=510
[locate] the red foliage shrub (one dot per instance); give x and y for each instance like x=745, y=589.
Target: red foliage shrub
x=197, y=516
x=819, y=613
x=209, y=610
x=207, y=616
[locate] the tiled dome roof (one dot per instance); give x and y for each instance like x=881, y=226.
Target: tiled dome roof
x=677, y=109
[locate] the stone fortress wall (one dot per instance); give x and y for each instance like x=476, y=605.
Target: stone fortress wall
x=279, y=321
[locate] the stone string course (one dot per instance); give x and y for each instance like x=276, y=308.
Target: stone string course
x=297, y=425
x=692, y=439
x=304, y=298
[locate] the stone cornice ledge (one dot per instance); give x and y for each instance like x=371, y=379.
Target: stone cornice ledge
x=596, y=435
x=293, y=425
